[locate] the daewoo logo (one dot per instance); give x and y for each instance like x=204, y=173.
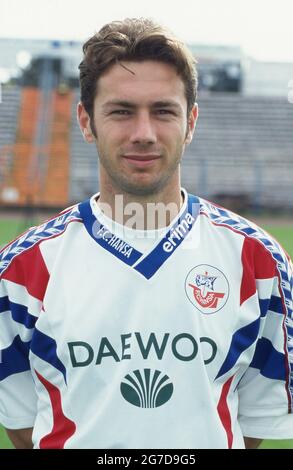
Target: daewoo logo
x=146, y=389
x=183, y=346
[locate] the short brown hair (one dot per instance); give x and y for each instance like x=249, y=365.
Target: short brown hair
x=134, y=39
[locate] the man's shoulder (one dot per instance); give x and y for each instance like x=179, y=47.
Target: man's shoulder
x=253, y=235
x=221, y=216
x=30, y=240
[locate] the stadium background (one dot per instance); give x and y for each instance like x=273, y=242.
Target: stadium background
x=241, y=155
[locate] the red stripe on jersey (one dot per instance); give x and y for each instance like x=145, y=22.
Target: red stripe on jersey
x=257, y=263
x=29, y=270
x=224, y=412
x=63, y=428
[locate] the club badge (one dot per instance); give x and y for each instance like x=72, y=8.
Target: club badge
x=207, y=288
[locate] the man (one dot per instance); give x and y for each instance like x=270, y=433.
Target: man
x=144, y=317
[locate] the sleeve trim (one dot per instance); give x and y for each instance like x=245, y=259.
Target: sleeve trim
x=17, y=423
x=274, y=427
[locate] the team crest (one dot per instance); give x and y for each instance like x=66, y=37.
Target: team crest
x=207, y=288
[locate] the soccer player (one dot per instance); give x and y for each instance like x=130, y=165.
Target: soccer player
x=144, y=317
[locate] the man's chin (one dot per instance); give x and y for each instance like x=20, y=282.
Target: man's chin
x=142, y=188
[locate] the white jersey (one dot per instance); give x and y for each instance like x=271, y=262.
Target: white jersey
x=113, y=338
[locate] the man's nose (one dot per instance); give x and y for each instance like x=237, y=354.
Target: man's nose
x=143, y=130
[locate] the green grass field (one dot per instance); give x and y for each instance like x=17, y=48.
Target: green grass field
x=10, y=229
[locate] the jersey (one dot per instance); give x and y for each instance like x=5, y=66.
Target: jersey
x=117, y=338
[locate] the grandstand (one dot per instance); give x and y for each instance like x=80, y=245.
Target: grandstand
x=9, y=111
x=84, y=161
x=241, y=154
x=242, y=148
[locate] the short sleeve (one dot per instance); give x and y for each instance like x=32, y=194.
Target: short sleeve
x=266, y=389
x=18, y=401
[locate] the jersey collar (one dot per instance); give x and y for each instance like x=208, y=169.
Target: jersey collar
x=149, y=263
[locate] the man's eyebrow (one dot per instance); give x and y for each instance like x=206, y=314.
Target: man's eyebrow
x=166, y=104
x=129, y=104
x=122, y=103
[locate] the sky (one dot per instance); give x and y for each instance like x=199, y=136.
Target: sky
x=263, y=28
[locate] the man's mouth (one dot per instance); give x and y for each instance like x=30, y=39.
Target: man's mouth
x=141, y=160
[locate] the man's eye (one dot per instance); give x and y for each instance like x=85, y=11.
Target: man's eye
x=164, y=111
x=121, y=112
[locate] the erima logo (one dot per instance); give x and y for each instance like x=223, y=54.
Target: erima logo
x=147, y=389
x=183, y=347
x=178, y=233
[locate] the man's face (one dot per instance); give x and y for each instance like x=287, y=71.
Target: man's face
x=140, y=117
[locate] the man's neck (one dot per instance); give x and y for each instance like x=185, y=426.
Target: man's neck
x=150, y=212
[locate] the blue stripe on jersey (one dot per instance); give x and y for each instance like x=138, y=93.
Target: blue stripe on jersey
x=241, y=340
x=264, y=306
x=249, y=230
x=14, y=359
x=270, y=362
x=46, y=348
x=34, y=235
x=105, y=238
x=290, y=331
x=174, y=237
x=19, y=312
x=4, y=304
x=276, y=305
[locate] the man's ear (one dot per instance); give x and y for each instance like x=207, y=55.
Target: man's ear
x=84, y=123
x=191, y=124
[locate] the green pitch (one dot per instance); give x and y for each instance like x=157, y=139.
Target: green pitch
x=11, y=228
x=4, y=441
